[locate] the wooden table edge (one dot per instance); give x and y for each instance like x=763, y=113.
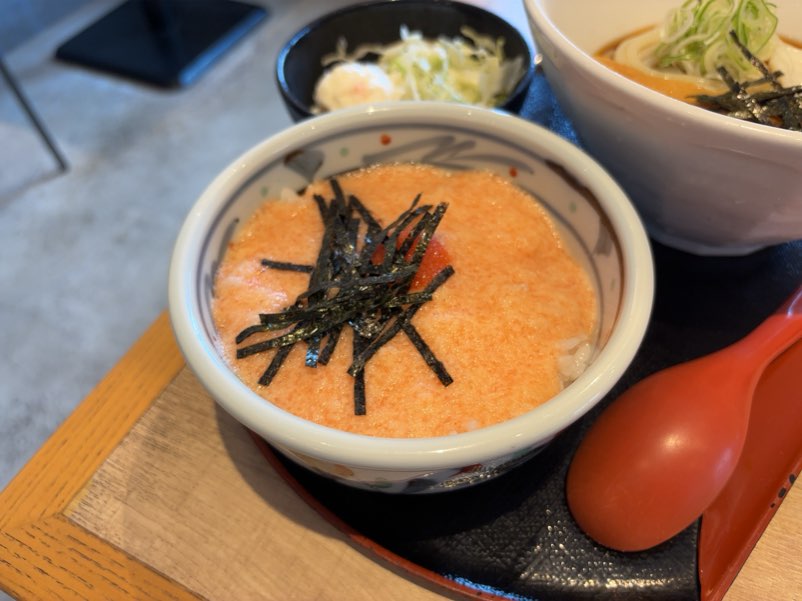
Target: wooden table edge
x=43, y=555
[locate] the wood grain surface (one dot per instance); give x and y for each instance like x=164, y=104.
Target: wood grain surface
x=189, y=493
x=44, y=555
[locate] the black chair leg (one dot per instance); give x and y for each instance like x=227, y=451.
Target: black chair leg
x=37, y=123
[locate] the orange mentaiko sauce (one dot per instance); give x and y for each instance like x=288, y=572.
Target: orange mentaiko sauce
x=497, y=324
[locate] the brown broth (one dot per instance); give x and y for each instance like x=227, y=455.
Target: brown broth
x=679, y=89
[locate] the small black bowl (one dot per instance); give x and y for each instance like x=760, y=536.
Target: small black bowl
x=298, y=66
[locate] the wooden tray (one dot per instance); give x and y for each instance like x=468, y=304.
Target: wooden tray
x=148, y=491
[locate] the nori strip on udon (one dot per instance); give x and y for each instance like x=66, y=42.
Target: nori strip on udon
x=367, y=289
x=777, y=106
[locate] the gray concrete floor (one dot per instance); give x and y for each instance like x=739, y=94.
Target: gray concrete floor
x=84, y=254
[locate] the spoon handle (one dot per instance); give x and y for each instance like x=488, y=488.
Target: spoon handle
x=792, y=306
x=774, y=335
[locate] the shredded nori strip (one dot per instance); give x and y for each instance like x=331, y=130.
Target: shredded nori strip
x=398, y=324
x=347, y=286
x=360, y=398
x=776, y=105
x=275, y=365
x=286, y=266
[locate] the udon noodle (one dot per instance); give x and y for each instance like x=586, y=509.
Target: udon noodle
x=709, y=47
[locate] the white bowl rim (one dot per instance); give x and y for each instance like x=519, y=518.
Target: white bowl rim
x=515, y=435
x=671, y=107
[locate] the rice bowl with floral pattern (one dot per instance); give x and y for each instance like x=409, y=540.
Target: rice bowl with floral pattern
x=593, y=215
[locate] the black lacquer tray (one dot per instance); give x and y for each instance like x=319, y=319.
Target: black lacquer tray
x=513, y=537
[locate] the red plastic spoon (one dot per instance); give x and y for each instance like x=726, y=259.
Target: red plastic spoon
x=660, y=454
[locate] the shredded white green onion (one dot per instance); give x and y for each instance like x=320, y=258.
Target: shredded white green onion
x=695, y=37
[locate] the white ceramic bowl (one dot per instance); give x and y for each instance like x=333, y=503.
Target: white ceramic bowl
x=702, y=182
x=598, y=220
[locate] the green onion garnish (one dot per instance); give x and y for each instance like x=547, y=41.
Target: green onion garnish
x=695, y=37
